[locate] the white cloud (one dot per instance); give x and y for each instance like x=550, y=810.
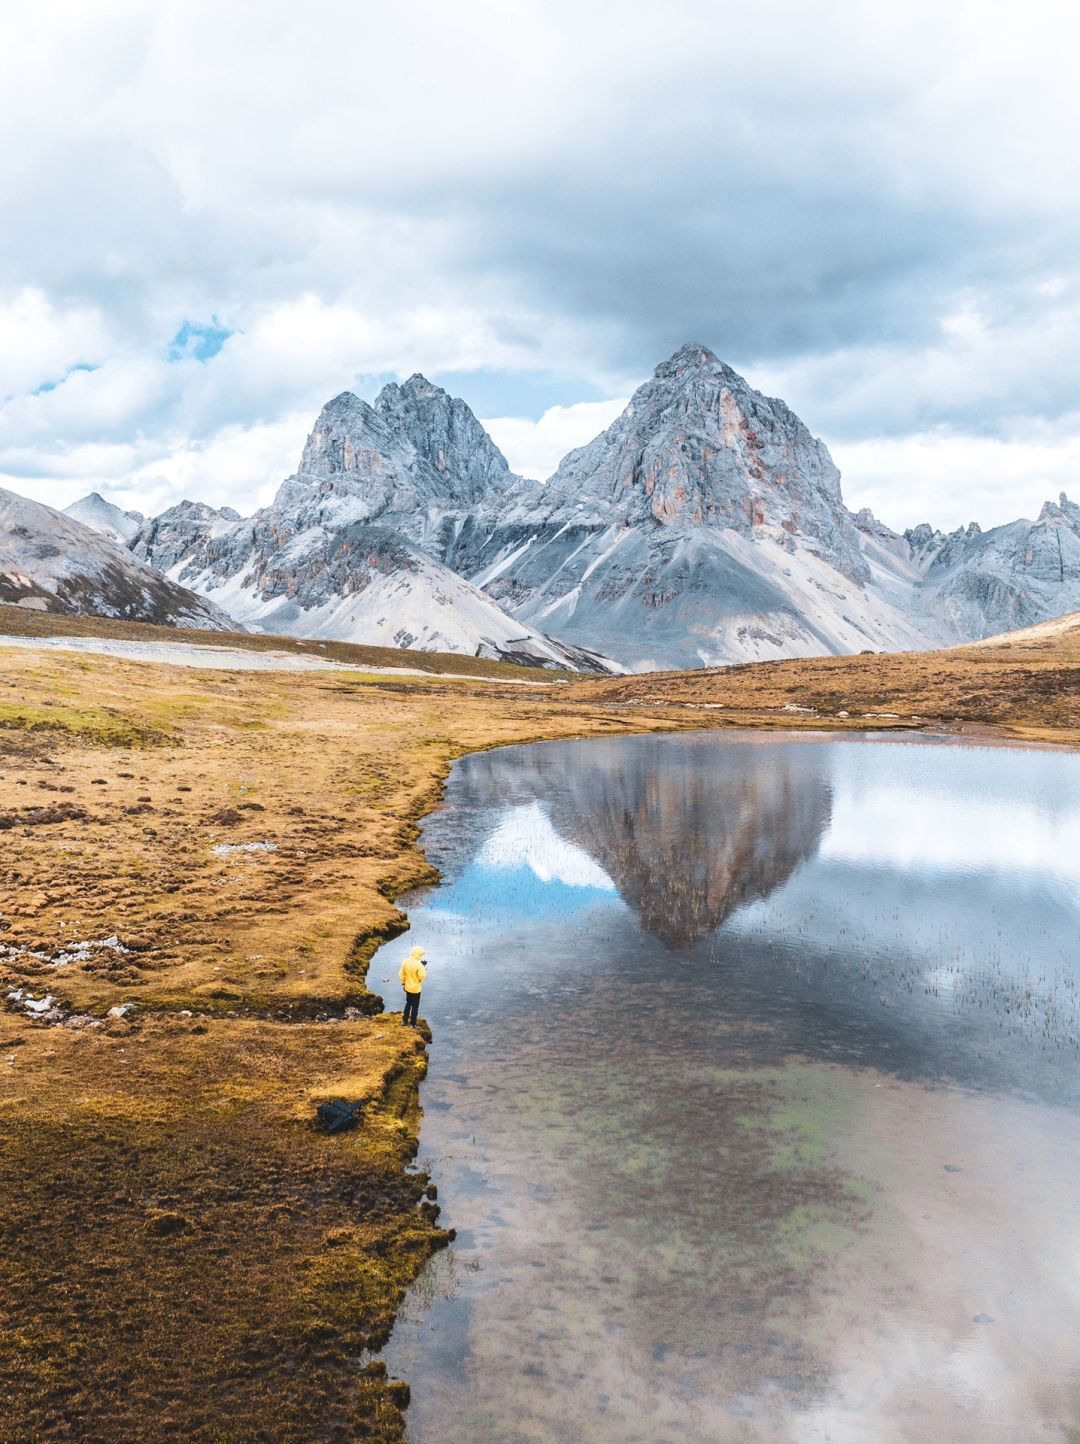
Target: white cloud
x=893, y=828
x=238, y=466
x=535, y=448
x=992, y=361
x=149, y=432
x=952, y=480
x=880, y=229
x=526, y=838
x=40, y=342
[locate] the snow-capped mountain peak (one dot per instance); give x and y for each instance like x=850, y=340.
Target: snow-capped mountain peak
x=698, y=447
x=706, y=525
x=351, y=547
x=105, y=517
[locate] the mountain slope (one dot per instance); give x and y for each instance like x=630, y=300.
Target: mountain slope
x=106, y=517
x=362, y=582
x=982, y=583
x=1059, y=632
x=706, y=525
x=348, y=549
x=50, y=562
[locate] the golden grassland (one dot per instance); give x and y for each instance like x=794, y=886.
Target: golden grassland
x=1025, y=685
x=183, y=1255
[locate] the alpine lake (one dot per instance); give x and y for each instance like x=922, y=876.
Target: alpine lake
x=754, y=1094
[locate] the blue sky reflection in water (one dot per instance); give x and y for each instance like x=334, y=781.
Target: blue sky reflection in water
x=753, y=1093
x=526, y=870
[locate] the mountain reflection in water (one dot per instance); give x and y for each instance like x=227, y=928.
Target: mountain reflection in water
x=684, y=844
x=754, y=1095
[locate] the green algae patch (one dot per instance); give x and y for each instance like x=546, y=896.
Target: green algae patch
x=740, y=1161
x=804, y=1118
x=807, y=1113
x=809, y=1232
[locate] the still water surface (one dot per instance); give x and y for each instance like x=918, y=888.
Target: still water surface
x=754, y=1094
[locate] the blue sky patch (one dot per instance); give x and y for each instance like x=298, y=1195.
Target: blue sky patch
x=493, y=393
x=59, y=380
x=196, y=342
x=515, y=393
x=494, y=894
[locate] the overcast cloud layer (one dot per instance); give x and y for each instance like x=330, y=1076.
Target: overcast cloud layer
x=218, y=216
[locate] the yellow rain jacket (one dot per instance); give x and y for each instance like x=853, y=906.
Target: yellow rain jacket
x=413, y=972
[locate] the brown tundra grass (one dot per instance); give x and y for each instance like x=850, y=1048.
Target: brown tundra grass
x=182, y=1254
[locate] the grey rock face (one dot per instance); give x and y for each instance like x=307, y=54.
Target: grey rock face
x=448, y=437
x=867, y=523
x=982, y=583
x=350, y=547
x=696, y=448
x=705, y=526
x=956, y=547
x=50, y=562
x=169, y=540
x=418, y=456
x=1063, y=511
x=923, y=542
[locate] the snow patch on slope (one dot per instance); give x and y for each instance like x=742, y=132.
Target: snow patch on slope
x=426, y=609
x=51, y=562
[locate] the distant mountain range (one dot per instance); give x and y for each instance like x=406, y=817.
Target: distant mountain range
x=705, y=526
x=104, y=516
x=50, y=562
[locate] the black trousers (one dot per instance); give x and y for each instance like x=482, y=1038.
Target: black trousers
x=412, y=1007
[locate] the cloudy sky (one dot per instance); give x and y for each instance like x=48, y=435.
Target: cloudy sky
x=216, y=216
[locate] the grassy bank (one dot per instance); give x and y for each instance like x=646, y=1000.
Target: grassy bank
x=182, y=1254
x=1026, y=685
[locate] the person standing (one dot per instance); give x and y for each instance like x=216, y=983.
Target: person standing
x=412, y=977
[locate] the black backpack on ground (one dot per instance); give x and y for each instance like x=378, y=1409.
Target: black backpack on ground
x=337, y=1115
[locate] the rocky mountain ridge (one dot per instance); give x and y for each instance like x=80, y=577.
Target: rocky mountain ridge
x=49, y=562
x=706, y=525
x=351, y=547
x=980, y=583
